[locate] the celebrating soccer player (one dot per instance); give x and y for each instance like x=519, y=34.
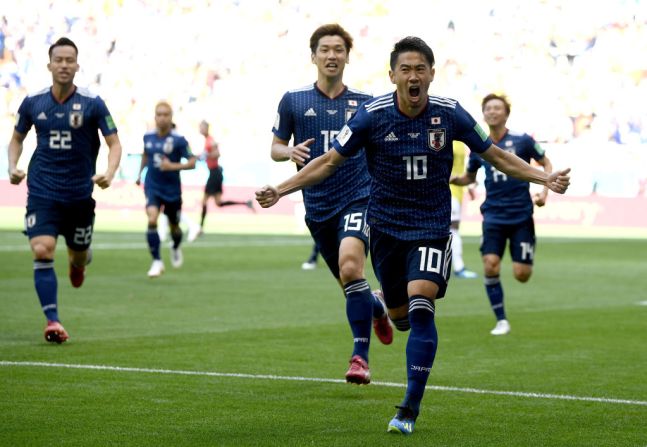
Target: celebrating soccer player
x=335, y=208
x=407, y=136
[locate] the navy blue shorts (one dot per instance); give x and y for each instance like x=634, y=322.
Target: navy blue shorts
x=350, y=222
x=171, y=209
x=397, y=262
x=73, y=220
x=521, y=237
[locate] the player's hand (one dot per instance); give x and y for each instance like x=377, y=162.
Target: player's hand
x=267, y=196
x=103, y=180
x=165, y=165
x=471, y=190
x=540, y=198
x=558, y=181
x=16, y=176
x=301, y=152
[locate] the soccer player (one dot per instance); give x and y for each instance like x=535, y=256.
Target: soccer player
x=457, y=200
x=213, y=188
x=61, y=174
x=164, y=150
x=508, y=206
x=336, y=208
x=407, y=136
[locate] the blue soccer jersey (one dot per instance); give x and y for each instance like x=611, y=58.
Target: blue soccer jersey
x=164, y=184
x=410, y=161
x=507, y=199
x=67, y=142
x=308, y=113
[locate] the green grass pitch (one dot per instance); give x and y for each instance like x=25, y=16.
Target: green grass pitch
x=240, y=347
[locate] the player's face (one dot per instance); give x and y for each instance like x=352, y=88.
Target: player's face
x=63, y=65
x=412, y=76
x=494, y=113
x=163, y=118
x=331, y=56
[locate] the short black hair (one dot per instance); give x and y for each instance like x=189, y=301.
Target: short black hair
x=411, y=43
x=63, y=42
x=331, y=29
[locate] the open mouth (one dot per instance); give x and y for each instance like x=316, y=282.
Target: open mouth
x=414, y=91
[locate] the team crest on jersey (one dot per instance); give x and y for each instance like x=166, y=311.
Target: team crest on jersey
x=436, y=139
x=350, y=113
x=76, y=119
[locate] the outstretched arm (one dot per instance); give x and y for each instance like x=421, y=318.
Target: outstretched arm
x=514, y=166
x=314, y=172
x=466, y=178
x=15, y=149
x=114, y=156
x=540, y=197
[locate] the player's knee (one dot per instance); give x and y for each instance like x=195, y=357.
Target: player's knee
x=350, y=270
x=522, y=275
x=42, y=251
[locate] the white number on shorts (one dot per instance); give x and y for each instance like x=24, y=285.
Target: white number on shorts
x=353, y=222
x=83, y=236
x=430, y=259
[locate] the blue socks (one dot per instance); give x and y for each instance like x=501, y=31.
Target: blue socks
x=359, y=310
x=495, y=294
x=153, y=241
x=421, y=349
x=46, y=287
x=378, y=309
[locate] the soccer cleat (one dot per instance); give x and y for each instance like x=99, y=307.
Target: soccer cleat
x=403, y=422
x=176, y=257
x=194, y=232
x=466, y=274
x=309, y=265
x=382, y=326
x=77, y=274
x=358, y=371
x=55, y=332
x=502, y=327
x=157, y=268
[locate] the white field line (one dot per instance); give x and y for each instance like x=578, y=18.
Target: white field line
x=604, y=400
x=144, y=246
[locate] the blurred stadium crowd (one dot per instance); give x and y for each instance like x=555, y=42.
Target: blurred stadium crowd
x=574, y=71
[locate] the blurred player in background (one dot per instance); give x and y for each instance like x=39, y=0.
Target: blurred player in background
x=164, y=150
x=508, y=206
x=335, y=209
x=213, y=187
x=458, y=192
x=311, y=263
x=61, y=174
x=407, y=136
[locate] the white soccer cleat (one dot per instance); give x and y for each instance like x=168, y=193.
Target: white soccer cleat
x=157, y=268
x=309, y=265
x=194, y=232
x=176, y=257
x=502, y=328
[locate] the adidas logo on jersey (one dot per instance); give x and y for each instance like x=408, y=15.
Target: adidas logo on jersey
x=391, y=137
x=41, y=116
x=310, y=112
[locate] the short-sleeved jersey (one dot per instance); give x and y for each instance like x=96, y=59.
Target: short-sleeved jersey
x=410, y=160
x=458, y=168
x=209, y=142
x=67, y=142
x=165, y=184
x=308, y=113
x=507, y=199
